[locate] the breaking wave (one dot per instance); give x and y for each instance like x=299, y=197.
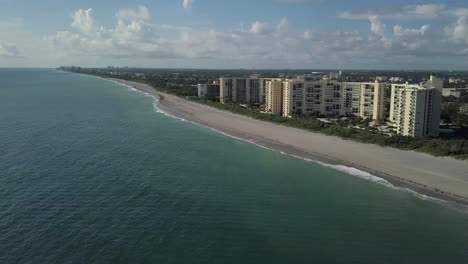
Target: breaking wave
x=345, y=169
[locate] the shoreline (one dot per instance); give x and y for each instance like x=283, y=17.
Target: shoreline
x=193, y=112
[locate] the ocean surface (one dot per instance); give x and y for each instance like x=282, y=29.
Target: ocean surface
x=91, y=172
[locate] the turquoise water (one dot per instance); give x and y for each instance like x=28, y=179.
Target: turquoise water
x=91, y=173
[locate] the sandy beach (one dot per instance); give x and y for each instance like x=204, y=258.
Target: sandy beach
x=443, y=178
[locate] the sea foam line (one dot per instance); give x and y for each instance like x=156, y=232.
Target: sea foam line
x=155, y=99
x=346, y=169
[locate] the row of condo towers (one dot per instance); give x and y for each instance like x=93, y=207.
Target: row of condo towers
x=414, y=109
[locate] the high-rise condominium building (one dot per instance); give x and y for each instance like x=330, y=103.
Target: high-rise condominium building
x=415, y=109
x=274, y=96
x=209, y=91
x=333, y=98
x=243, y=90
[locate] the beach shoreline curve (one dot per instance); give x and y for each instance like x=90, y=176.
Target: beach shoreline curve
x=413, y=171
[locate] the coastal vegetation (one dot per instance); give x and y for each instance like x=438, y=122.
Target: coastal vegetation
x=182, y=90
x=454, y=147
x=182, y=84
x=451, y=109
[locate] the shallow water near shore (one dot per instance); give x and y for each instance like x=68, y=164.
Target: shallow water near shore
x=366, y=174
x=91, y=173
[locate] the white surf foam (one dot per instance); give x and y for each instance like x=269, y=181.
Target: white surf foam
x=155, y=98
x=348, y=170
x=359, y=173
x=370, y=177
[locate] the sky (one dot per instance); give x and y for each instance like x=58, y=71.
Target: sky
x=225, y=34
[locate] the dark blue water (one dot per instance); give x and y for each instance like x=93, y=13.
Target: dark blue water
x=91, y=173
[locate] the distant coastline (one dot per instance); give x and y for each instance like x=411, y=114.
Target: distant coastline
x=449, y=181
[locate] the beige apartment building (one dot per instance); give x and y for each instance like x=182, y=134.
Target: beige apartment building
x=274, y=96
x=333, y=98
x=372, y=103
x=292, y=98
x=415, y=109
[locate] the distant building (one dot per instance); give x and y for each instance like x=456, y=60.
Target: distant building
x=381, y=78
x=451, y=92
x=334, y=75
x=396, y=79
x=209, y=91
x=455, y=80
x=202, y=90
x=464, y=109
x=415, y=109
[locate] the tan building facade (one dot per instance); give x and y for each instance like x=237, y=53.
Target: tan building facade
x=274, y=96
x=333, y=98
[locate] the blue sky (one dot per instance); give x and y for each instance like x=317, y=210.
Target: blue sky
x=358, y=34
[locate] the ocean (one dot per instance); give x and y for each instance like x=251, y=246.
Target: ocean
x=92, y=172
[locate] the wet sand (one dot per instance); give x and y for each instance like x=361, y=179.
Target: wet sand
x=444, y=178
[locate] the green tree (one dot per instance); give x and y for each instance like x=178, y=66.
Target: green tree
x=450, y=112
x=462, y=120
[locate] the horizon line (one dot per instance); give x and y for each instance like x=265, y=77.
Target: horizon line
x=247, y=69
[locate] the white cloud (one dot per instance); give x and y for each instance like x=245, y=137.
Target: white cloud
x=409, y=12
x=8, y=50
x=400, y=31
x=283, y=25
x=132, y=35
x=142, y=13
x=83, y=20
x=187, y=4
x=307, y=35
x=459, y=31
x=135, y=39
x=260, y=28
x=377, y=27
x=301, y=1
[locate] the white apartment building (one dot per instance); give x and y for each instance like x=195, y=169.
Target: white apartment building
x=396, y=79
x=415, y=109
x=381, y=78
x=451, y=92
x=333, y=98
x=209, y=90
x=202, y=90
